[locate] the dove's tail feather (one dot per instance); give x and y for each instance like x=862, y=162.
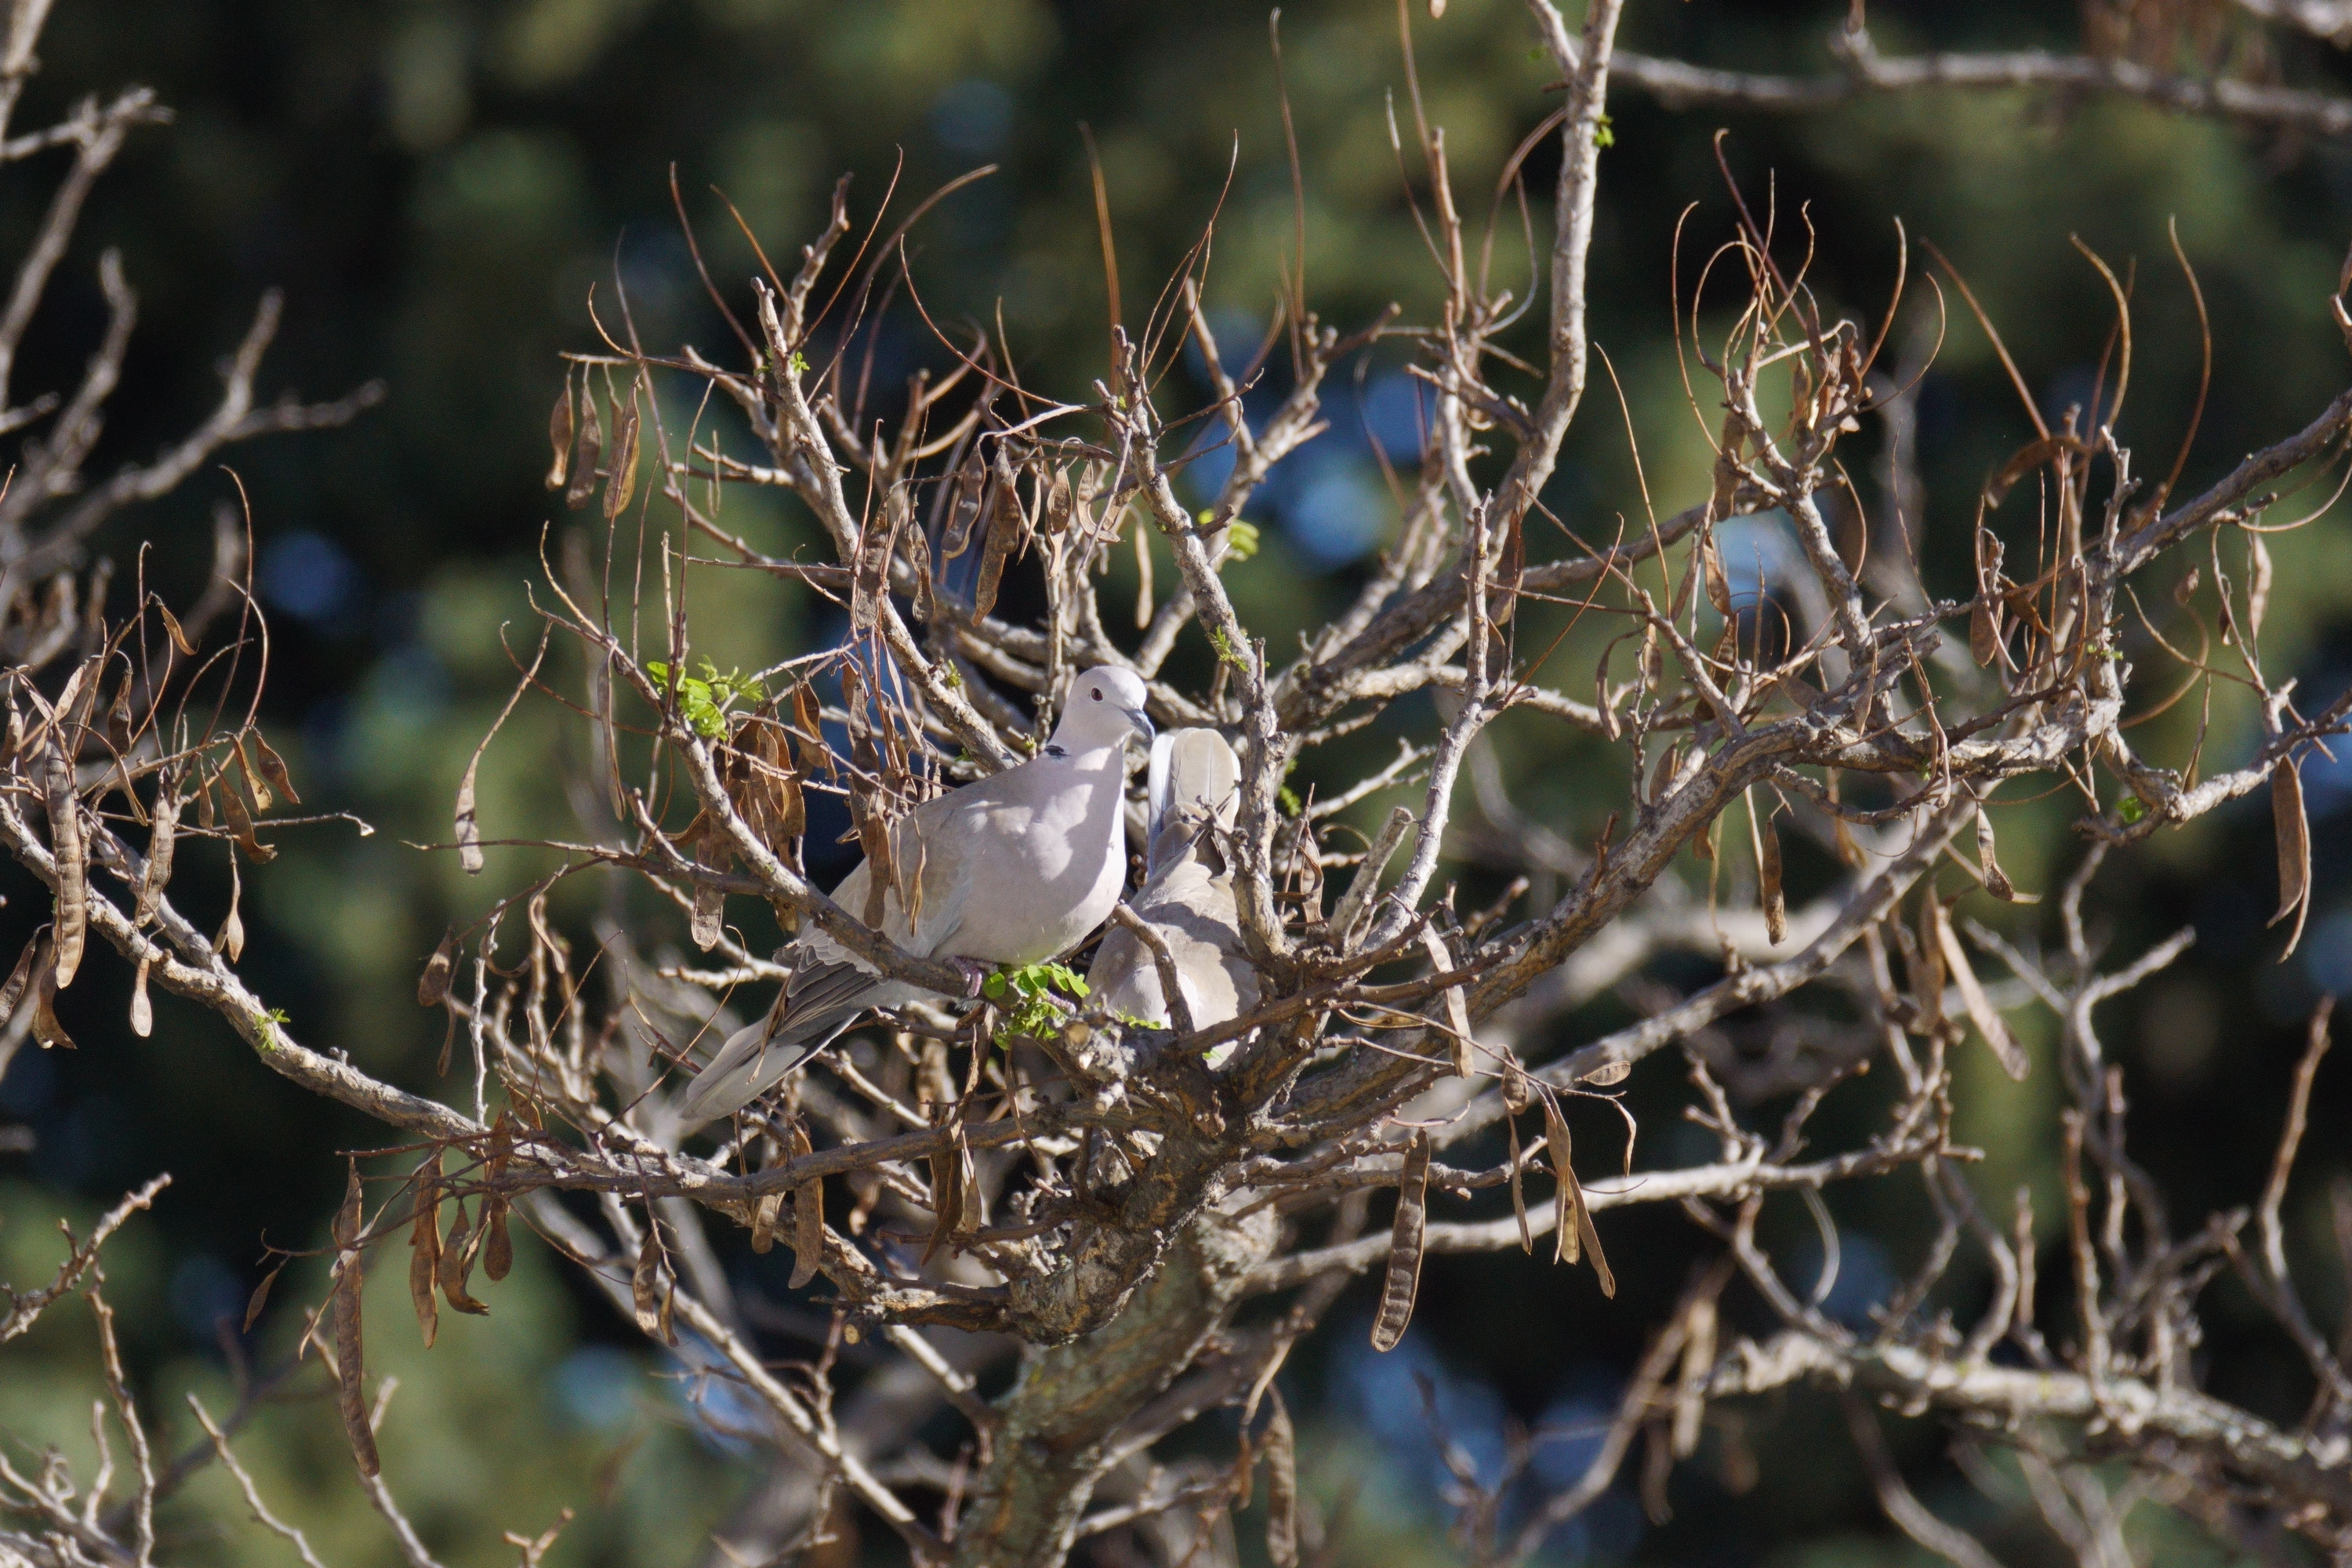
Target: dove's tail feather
x=817, y=1005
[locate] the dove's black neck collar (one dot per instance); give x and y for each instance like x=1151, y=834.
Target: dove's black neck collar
x=1056, y=751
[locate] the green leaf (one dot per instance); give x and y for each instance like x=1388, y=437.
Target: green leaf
x=1034, y=983
x=2131, y=809
x=1244, y=539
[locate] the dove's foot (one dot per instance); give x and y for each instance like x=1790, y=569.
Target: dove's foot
x=975, y=974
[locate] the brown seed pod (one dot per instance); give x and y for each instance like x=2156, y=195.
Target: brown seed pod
x=559, y=436
x=1403, y=1281
x=351, y=1381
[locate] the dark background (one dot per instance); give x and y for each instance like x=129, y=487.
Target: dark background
x=437, y=185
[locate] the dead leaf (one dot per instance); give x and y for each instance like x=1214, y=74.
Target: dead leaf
x=1996, y=880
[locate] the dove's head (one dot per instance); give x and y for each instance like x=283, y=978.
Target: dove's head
x=1104, y=707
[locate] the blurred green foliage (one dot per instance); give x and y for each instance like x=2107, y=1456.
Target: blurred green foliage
x=454, y=191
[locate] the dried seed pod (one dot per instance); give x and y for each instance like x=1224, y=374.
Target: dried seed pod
x=142, y=1011
x=624, y=481
x=2293, y=828
x=706, y=911
x=172, y=629
x=1059, y=507
x=254, y=785
x=1980, y=1006
x=590, y=448
x=1281, y=1487
x=1403, y=1281
x=13, y=993
x=1576, y=1236
x=2258, y=585
x=1568, y=1239
x=1766, y=838
x=1996, y=880
x=498, y=1246
x=1458, y=1012
x=808, y=1217
x=1007, y=524
x=425, y=1249
x=67, y=846
x=1984, y=631
x=1718, y=583
x=1925, y=960
x=260, y=1296
x=433, y=985
x=47, y=1031
x=1698, y=1362
x=646, y=1294
x=273, y=768
x=764, y=1215
x=559, y=436
x=1518, y=1183
x=457, y=1262
x=240, y=826
x=349, y=1370
x=230, y=939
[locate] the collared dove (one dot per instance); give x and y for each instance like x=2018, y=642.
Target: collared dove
x=1187, y=894
x=1009, y=870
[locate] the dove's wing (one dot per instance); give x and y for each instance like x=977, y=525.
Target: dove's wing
x=1189, y=900
x=1010, y=870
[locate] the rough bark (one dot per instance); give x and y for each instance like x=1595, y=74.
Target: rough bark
x=1059, y=1416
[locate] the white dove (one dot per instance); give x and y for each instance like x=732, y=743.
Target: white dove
x=1187, y=896
x=1012, y=870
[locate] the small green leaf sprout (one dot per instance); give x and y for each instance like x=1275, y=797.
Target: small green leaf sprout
x=704, y=704
x=1026, y=995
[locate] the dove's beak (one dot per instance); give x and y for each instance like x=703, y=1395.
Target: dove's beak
x=1143, y=723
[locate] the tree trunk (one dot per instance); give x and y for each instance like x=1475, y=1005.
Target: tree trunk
x=1068, y=1401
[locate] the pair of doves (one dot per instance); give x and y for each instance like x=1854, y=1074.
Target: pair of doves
x=1014, y=869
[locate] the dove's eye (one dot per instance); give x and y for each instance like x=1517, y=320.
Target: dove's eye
x=1098, y=693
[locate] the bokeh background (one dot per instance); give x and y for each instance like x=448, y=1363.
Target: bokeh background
x=439, y=184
